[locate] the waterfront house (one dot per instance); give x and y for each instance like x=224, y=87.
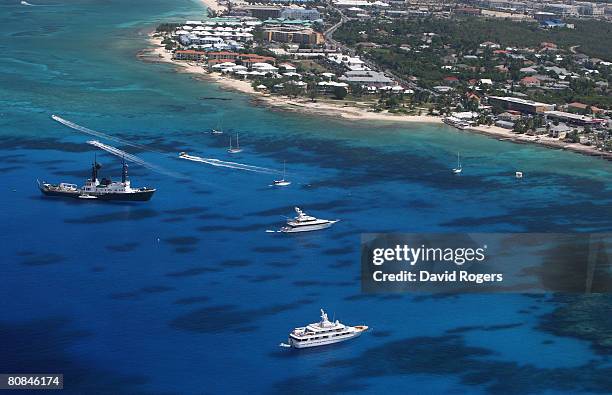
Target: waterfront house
x=189, y=54
x=250, y=59
x=223, y=55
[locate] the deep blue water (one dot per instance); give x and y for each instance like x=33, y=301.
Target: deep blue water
x=189, y=294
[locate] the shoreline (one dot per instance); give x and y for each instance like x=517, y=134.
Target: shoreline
x=213, y=5
x=157, y=53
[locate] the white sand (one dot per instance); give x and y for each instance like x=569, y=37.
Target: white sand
x=213, y=5
x=339, y=109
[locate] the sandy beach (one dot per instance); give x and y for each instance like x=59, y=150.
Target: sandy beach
x=157, y=53
x=213, y=5
x=325, y=108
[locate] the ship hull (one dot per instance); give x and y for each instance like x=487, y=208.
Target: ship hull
x=48, y=192
x=140, y=196
x=307, y=228
x=143, y=196
x=322, y=342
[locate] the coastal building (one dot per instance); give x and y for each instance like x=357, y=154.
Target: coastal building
x=573, y=119
x=249, y=60
x=261, y=12
x=505, y=124
x=285, y=34
x=330, y=86
x=522, y=105
x=583, y=108
x=353, y=63
x=368, y=78
x=189, y=54
x=300, y=13
x=562, y=9
x=468, y=11
x=264, y=68
x=225, y=56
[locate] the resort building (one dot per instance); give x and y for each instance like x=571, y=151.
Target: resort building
x=262, y=12
x=573, y=119
x=189, y=54
x=293, y=35
x=226, y=56
x=300, y=13
x=249, y=60
x=522, y=105
x=368, y=78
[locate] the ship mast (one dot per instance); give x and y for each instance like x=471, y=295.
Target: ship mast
x=124, y=172
x=94, y=169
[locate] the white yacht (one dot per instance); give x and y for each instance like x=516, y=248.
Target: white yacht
x=323, y=332
x=459, y=168
x=236, y=149
x=305, y=223
x=283, y=182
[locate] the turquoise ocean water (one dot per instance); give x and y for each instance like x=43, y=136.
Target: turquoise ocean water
x=189, y=294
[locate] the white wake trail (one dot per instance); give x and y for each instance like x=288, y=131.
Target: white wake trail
x=230, y=165
x=98, y=134
x=133, y=158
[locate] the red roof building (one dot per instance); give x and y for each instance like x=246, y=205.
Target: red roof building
x=226, y=56
x=189, y=54
x=530, y=81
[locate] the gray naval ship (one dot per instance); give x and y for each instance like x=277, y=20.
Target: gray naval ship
x=96, y=189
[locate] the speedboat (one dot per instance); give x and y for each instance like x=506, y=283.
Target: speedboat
x=323, y=333
x=86, y=196
x=305, y=223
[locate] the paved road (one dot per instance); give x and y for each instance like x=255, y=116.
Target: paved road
x=329, y=38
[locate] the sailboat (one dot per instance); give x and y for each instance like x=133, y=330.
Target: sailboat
x=282, y=182
x=235, y=150
x=218, y=129
x=459, y=168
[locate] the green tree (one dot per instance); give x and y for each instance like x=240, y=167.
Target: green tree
x=339, y=93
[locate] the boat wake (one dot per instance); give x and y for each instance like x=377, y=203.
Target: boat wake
x=98, y=134
x=133, y=158
x=229, y=165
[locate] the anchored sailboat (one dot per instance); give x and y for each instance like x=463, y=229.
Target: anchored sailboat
x=282, y=182
x=234, y=150
x=218, y=129
x=459, y=167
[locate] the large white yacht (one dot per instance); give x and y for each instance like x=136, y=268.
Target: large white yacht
x=305, y=223
x=323, y=332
